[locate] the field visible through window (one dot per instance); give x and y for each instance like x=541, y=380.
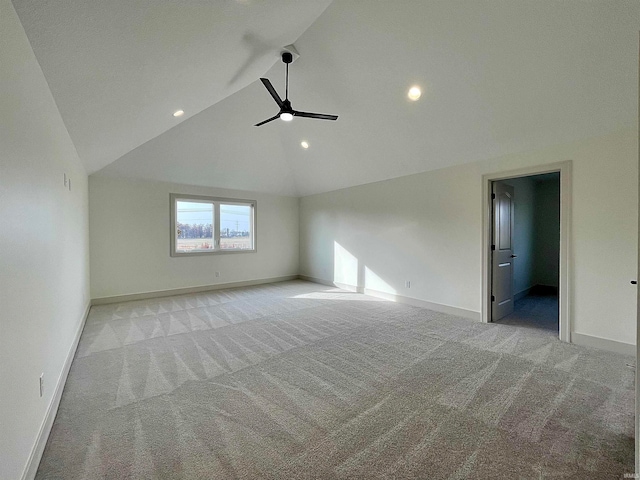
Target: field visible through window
x=196, y=226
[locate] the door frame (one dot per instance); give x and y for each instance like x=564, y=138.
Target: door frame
x=564, y=291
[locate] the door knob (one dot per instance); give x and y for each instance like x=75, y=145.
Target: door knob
x=514, y=256
x=634, y=282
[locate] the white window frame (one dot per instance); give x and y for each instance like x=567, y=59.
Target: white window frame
x=216, y=201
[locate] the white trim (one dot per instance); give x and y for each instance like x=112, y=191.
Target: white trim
x=182, y=291
x=637, y=352
x=349, y=288
x=522, y=294
x=603, y=344
x=564, y=293
x=215, y=202
x=416, y=302
x=307, y=278
x=438, y=307
x=329, y=283
x=31, y=468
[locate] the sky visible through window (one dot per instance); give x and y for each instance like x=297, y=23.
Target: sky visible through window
x=233, y=217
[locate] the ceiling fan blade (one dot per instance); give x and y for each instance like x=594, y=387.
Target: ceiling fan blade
x=272, y=91
x=267, y=120
x=321, y=116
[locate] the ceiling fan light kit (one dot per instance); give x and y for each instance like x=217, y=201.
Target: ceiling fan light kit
x=287, y=112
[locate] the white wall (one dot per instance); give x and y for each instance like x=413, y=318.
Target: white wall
x=547, y=232
x=426, y=228
x=129, y=225
x=44, y=259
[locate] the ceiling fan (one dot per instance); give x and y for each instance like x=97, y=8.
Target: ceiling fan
x=286, y=112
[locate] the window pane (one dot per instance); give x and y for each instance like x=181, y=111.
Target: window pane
x=236, y=227
x=194, y=225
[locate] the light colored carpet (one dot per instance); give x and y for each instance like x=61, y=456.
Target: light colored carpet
x=296, y=380
x=535, y=311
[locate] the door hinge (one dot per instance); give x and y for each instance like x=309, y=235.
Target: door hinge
x=493, y=247
x=493, y=196
x=493, y=299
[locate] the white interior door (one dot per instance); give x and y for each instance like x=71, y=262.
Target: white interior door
x=502, y=251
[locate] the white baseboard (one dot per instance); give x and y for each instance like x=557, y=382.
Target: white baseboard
x=35, y=456
x=416, y=302
x=603, y=344
x=438, y=307
x=307, y=278
x=349, y=288
x=328, y=283
x=522, y=294
x=33, y=462
x=186, y=290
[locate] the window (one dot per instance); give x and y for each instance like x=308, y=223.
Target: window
x=208, y=225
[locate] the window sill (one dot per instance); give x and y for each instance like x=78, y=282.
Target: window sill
x=214, y=252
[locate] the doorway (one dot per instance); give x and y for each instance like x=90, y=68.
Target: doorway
x=525, y=264
x=526, y=248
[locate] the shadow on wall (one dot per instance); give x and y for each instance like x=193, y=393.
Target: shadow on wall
x=349, y=272
x=380, y=238
x=395, y=250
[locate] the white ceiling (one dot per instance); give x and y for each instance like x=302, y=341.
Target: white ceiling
x=498, y=77
x=118, y=69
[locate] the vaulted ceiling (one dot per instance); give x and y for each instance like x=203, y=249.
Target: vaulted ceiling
x=497, y=76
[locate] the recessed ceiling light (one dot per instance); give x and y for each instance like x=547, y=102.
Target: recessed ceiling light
x=304, y=144
x=178, y=113
x=414, y=93
x=287, y=117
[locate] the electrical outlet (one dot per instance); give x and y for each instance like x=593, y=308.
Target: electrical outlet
x=217, y=274
x=407, y=284
x=41, y=384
